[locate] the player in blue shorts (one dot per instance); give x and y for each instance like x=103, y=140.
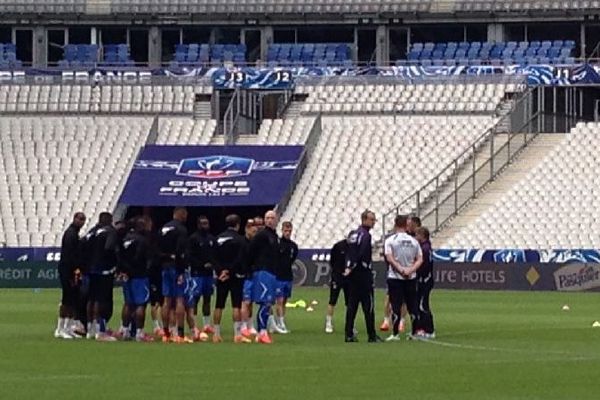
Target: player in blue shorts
x=264, y=259
x=248, y=329
x=288, y=253
x=172, y=244
x=200, y=256
x=135, y=262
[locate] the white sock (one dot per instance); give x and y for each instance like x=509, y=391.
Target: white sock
x=156, y=324
x=329, y=319
x=244, y=325
x=251, y=324
x=139, y=332
x=401, y=320
x=263, y=332
x=271, y=321
x=90, y=327
x=173, y=330
x=237, y=326
x=386, y=320
x=217, y=329
x=67, y=324
x=206, y=320
x=281, y=321
x=60, y=324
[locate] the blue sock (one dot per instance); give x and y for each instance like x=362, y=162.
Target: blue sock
x=262, y=316
x=102, y=324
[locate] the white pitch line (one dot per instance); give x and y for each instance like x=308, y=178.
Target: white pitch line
x=47, y=377
x=507, y=350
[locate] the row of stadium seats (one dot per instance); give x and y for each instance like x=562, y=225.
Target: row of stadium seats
x=45, y=7
x=54, y=165
x=194, y=54
x=555, y=206
x=309, y=54
x=267, y=7
x=343, y=175
x=405, y=97
x=287, y=131
x=476, y=53
x=8, y=56
x=108, y=98
x=524, y=5
x=292, y=6
x=177, y=131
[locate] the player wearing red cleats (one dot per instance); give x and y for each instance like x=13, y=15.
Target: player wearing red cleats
x=264, y=338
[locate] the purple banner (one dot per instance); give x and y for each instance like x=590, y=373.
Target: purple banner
x=211, y=175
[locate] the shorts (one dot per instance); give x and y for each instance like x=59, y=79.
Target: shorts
x=170, y=287
x=233, y=287
x=136, y=291
x=156, y=296
x=199, y=286
x=335, y=287
x=263, y=287
x=247, y=290
x=283, y=289
x=101, y=288
x=70, y=291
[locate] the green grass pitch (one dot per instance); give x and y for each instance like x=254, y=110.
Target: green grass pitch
x=491, y=345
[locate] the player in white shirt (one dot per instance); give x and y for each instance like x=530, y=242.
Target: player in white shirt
x=404, y=256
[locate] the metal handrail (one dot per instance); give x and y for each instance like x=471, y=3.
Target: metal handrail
x=452, y=167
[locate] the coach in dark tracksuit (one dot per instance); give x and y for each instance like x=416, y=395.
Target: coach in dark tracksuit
x=360, y=278
x=425, y=282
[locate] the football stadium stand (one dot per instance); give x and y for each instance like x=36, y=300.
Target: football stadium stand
x=555, y=205
x=54, y=165
x=361, y=161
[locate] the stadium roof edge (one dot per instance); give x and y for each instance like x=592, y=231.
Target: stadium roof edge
x=283, y=19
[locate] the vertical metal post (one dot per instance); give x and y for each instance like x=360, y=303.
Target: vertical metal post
x=418, y=202
x=473, y=170
x=455, y=186
x=492, y=155
x=437, y=202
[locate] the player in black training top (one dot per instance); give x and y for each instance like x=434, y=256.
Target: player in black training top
x=102, y=250
x=136, y=256
x=230, y=277
x=337, y=281
x=69, y=276
x=172, y=243
x=200, y=256
x=285, y=276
